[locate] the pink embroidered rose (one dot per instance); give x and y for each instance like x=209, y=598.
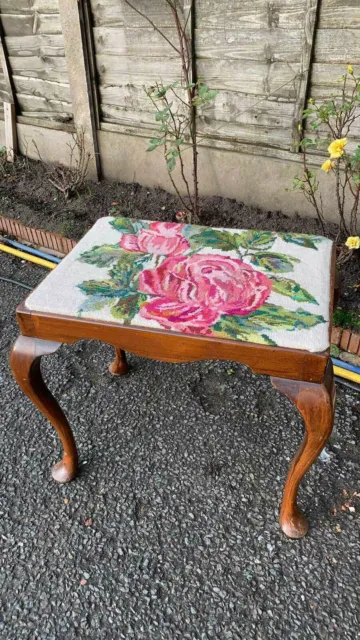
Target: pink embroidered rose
x=192, y=292
x=161, y=239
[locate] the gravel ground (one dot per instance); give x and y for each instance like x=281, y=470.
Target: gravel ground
x=170, y=530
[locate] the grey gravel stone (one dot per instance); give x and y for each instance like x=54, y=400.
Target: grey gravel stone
x=182, y=472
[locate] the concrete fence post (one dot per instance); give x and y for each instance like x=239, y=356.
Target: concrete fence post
x=76, y=53
x=9, y=102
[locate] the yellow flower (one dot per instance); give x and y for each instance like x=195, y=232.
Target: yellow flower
x=353, y=242
x=327, y=166
x=336, y=148
x=350, y=69
x=311, y=101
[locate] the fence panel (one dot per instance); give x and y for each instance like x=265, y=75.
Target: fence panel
x=35, y=46
x=337, y=45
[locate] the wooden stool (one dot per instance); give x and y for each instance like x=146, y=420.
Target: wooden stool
x=182, y=293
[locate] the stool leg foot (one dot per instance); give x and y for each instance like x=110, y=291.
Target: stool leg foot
x=25, y=364
x=120, y=366
x=316, y=405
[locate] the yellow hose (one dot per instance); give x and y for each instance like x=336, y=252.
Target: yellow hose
x=27, y=256
x=348, y=375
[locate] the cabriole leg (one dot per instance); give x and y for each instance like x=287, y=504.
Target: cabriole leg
x=25, y=364
x=120, y=366
x=316, y=405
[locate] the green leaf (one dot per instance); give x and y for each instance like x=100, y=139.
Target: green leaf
x=128, y=225
x=236, y=328
x=255, y=239
x=277, y=262
x=301, y=240
x=125, y=272
x=161, y=93
x=308, y=143
x=94, y=303
x=203, y=89
x=107, y=288
x=222, y=240
x=271, y=316
x=127, y=307
x=210, y=95
x=163, y=114
x=292, y=289
x=171, y=163
x=307, y=112
x=155, y=143
x=103, y=255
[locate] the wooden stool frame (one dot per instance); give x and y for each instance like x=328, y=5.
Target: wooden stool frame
x=305, y=378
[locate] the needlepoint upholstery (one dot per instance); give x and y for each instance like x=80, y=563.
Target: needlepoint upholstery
x=253, y=286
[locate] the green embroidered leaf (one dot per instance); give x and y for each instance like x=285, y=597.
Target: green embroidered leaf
x=190, y=230
x=255, y=239
x=103, y=255
x=128, y=225
x=309, y=242
x=271, y=316
x=278, y=262
x=127, y=307
x=126, y=270
x=107, y=288
x=236, y=328
x=222, y=240
x=106, y=254
x=94, y=303
x=292, y=289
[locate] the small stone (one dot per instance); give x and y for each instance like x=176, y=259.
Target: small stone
x=350, y=358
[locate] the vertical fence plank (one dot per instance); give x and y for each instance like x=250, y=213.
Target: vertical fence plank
x=311, y=15
x=73, y=21
x=189, y=16
x=9, y=104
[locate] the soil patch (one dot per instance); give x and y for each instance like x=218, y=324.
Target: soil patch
x=27, y=195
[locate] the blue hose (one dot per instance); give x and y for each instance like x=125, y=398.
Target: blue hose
x=346, y=365
x=35, y=252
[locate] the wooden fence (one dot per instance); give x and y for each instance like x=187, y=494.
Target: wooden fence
x=266, y=57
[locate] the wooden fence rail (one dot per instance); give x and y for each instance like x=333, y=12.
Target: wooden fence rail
x=83, y=64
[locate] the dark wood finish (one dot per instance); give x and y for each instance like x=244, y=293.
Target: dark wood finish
x=120, y=366
x=175, y=347
x=316, y=405
x=25, y=364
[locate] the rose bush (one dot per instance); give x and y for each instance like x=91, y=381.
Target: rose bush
x=161, y=239
x=192, y=292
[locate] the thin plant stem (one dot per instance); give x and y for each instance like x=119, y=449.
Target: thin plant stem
x=338, y=197
x=311, y=194
x=143, y=15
